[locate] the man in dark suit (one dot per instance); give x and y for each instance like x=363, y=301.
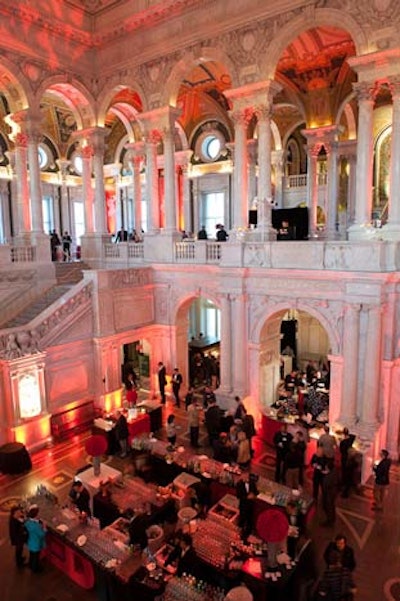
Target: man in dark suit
x=340, y=545
x=212, y=419
x=246, y=492
x=162, y=380
x=80, y=497
x=176, y=384
x=187, y=562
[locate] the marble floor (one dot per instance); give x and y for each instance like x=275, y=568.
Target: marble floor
x=375, y=537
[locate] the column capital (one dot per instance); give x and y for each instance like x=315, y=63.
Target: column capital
x=86, y=152
x=263, y=112
x=161, y=119
x=94, y=137
x=250, y=95
x=394, y=87
x=241, y=117
x=63, y=165
x=135, y=149
x=365, y=91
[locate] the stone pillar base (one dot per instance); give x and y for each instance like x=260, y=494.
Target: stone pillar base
x=92, y=249
x=363, y=231
x=159, y=247
x=262, y=234
x=390, y=231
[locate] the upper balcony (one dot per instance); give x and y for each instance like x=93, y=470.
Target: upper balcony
x=315, y=254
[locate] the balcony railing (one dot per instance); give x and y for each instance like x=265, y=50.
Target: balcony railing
x=300, y=180
x=23, y=254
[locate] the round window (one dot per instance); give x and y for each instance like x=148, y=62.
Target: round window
x=43, y=157
x=211, y=148
x=77, y=164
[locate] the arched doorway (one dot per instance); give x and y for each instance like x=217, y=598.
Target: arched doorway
x=198, y=337
x=290, y=340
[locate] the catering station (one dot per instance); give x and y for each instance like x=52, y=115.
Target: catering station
x=106, y=551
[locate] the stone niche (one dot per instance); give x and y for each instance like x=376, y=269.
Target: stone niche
x=26, y=417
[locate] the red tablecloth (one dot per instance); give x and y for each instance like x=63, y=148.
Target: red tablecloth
x=138, y=426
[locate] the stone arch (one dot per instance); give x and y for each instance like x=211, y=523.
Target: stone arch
x=346, y=108
x=300, y=305
x=187, y=62
x=179, y=315
x=108, y=95
x=17, y=90
x=321, y=16
x=290, y=131
x=76, y=97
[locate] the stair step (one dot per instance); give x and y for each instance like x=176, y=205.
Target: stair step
x=36, y=307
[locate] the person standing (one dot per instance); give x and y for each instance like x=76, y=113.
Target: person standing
x=346, y=468
x=122, y=432
x=340, y=545
x=162, y=380
x=336, y=583
x=212, y=419
x=80, y=497
x=222, y=234
x=18, y=534
x=246, y=492
x=318, y=463
x=202, y=234
x=176, y=385
x=193, y=423
x=328, y=443
x=171, y=429
x=381, y=471
x=66, y=245
x=282, y=440
x=240, y=410
x=329, y=492
x=189, y=398
x=36, y=538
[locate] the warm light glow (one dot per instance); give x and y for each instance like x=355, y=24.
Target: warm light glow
x=32, y=432
x=112, y=400
x=29, y=396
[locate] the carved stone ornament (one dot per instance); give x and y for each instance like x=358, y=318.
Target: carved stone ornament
x=28, y=342
x=128, y=278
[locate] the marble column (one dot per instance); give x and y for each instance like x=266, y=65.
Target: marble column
x=391, y=230
x=239, y=344
x=23, y=226
x=97, y=141
x=14, y=224
x=278, y=162
x=152, y=139
x=169, y=179
x=226, y=345
x=186, y=200
x=312, y=188
x=196, y=205
x=136, y=155
x=351, y=190
x=263, y=114
x=351, y=354
x=35, y=184
x=252, y=161
x=137, y=193
x=372, y=366
x=365, y=157
x=241, y=120
x=63, y=165
x=86, y=154
x=333, y=175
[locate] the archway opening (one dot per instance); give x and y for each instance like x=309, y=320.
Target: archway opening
x=294, y=369
x=198, y=342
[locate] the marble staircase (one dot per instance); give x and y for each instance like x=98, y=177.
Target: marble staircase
x=37, y=306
